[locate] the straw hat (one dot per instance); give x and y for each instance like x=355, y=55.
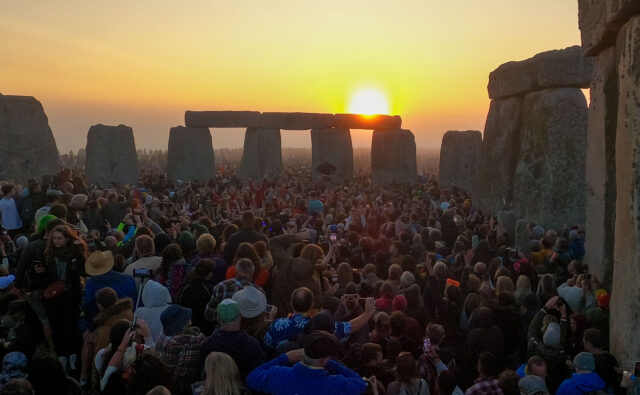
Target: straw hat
x=100, y=262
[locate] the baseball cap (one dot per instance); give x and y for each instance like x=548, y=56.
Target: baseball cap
x=228, y=311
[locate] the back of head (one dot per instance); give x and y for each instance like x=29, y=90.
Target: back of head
x=407, y=369
x=311, y=252
x=302, y=300
x=489, y=364
x=397, y=323
x=395, y=271
x=508, y=382
x=222, y=375
x=17, y=387
x=247, y=219
x=148, y=372
x=145, y=246
x=593, y=337
x=106, y=297
x=206, y=244
x=369, y=352
x=244, y=267
x=552, y=336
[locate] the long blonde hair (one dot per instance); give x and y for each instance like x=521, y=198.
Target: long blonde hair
x=222, y=375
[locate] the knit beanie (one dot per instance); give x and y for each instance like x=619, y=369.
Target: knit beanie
x=584, y=361
x=42, y=225
x=551, y=337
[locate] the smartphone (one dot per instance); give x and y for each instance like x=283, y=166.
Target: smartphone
x=268, y=308
x=426, y=344
x=142, y=273
x=333, y=238
x=560, y=301
x=334, y=279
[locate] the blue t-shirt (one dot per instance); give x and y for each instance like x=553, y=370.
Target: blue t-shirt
x=289, y=329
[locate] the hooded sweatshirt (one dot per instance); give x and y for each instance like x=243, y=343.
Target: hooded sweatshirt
x=156, y=298
x=290, y=273
x=581, y=383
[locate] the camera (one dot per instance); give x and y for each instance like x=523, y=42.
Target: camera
x=142, y=273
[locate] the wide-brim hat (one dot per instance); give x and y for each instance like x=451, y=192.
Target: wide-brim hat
x=252, y=302
x=100, y=262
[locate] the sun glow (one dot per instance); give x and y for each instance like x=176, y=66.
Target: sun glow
x=368, y=102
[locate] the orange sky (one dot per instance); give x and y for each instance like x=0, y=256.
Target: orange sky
x=143, y=63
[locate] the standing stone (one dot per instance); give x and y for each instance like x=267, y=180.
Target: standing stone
x=601, y=168
x=523, y=242
x=549, y=182
x=262, y=155
x=190, y=155
x=331, y=154
x=625, y=302
x=460, y=155
x=393, y=157
x=500, y=151
x=111, y=155
x=27, y=147
x=507, y=223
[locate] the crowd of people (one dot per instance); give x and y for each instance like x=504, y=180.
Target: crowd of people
x=290, y=287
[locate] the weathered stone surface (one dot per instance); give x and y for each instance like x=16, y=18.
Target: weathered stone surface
x=500, y=150
x=222, y=119
x=111, y=155
x=295, y=120
x=460, y=156
x=507, y=222
x=27, y=147
x=357, y=121
x=549, y=182
x=522, y=238
x=331, y=149
x=601, y=167
x=262, y=155
x=393, y=157
x=600, y=21
x=625, y=302
x=190, y=155
x=558, y=68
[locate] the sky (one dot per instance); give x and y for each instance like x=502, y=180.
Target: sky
x=143, y=63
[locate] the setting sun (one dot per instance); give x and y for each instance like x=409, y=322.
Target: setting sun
x=368, y=102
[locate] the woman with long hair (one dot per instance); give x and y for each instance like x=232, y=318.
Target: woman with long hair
x=62, y=292
x=247, y=250
x=222, y=376
x=408, y=380
x=173, y=270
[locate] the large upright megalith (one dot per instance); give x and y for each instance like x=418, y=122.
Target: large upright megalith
x=549, y=181
x=262, y=154
x=625, y=302
x=393, y=157
x=111, y=155
x=535, y=139
x=601, y=167
x=27, y=147
x=460, y=155
x=190, y=155
x=500, y=150
x=331, y=154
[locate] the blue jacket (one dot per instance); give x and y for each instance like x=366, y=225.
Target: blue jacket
x=277, y=377
x=124, y=286
x=581, y=383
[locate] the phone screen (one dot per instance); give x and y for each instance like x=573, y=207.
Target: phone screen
x=333, y=237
